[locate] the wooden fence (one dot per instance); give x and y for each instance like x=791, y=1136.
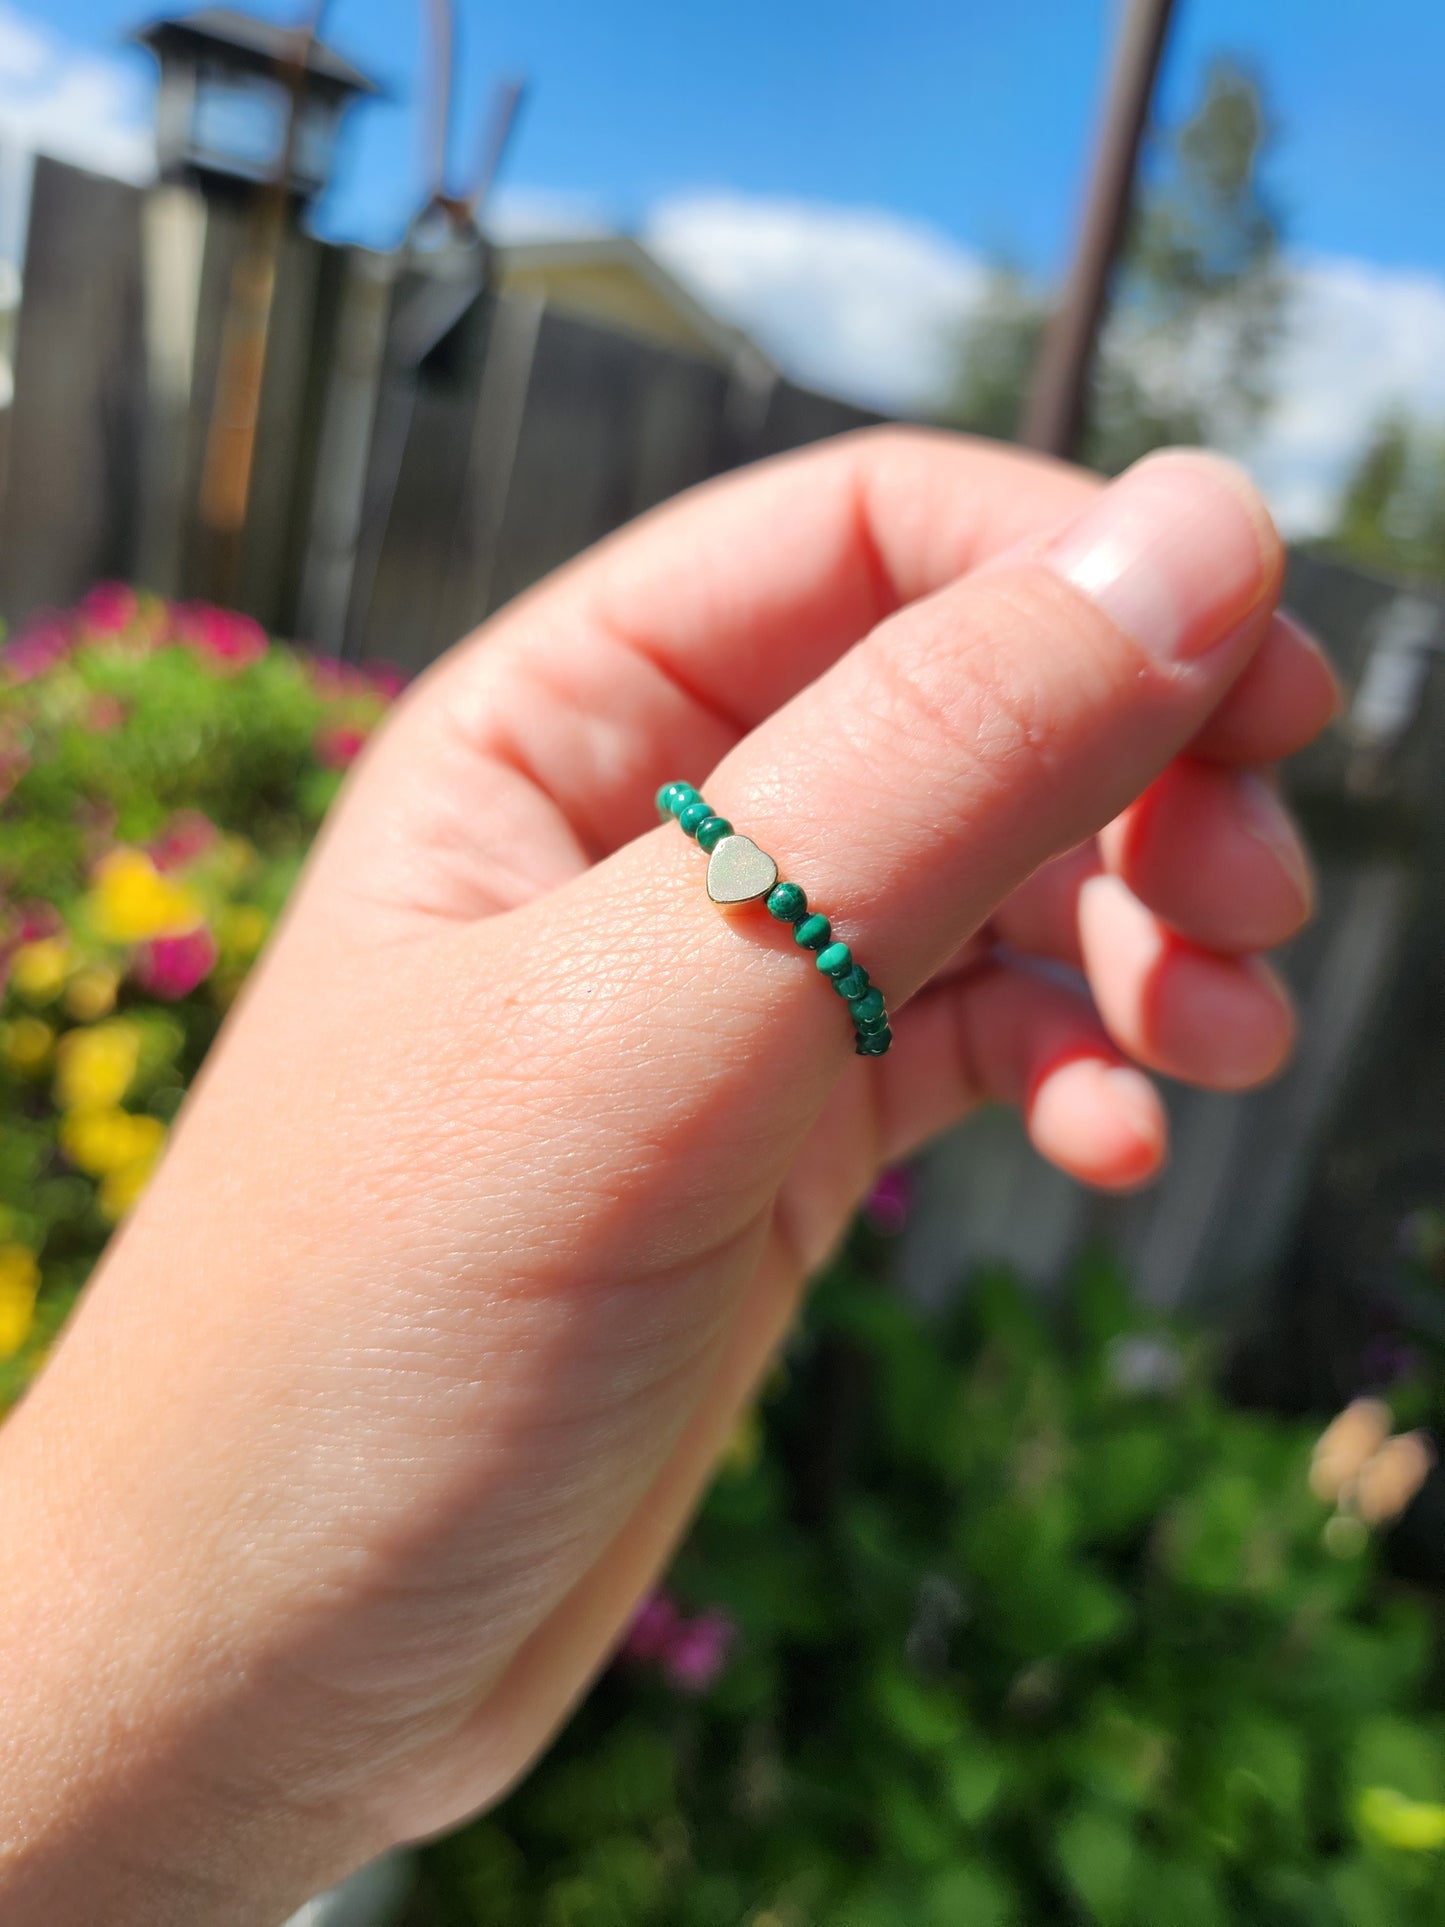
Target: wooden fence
x=424, y=449
x=427, y=450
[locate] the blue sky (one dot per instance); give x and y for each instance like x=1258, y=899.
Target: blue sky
x=973, y=118
x=836, y=177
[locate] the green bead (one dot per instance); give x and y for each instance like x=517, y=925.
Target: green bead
x=865, y=1026
x=664, y=799
x=836, y=960
x=711, y=830
x=692, y=814
x=787, y=903
x=874, y=1043
x=813, y=932
x=681, y=795
x=852, y=983
x=868, y=1006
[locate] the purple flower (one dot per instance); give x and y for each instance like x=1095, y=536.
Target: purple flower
x=1387, y=1359
x=689, y=1653
x=653, y=1627
x=888, y=1204
x=698, y=1651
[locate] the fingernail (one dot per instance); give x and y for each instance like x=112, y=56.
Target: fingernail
x=1177, y=552
x=1262, y=815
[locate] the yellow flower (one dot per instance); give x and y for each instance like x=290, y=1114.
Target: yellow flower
x=26, y=1044
x=94, y=1067
x=744, y=1447
x=19, y=1281
x=90, y=993
x=241, y=929
x=101, y=1142
x=131, y=901
x=1344, y=1446
x=120, y=1189
x=38, y=969
x=1415, y=1826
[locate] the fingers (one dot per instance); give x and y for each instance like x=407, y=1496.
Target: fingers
x=1214, y=854
x=656, y=651
x=987, y=727
x=1222, y=1022
x=1284, y=698
x=1003, y=1034
x=1209, y=856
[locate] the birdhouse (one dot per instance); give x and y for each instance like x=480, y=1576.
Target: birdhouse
x=229, y=87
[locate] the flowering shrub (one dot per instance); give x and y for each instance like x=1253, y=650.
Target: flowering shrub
x=982, y=1623
x=162, y=770
x=1017, y=1624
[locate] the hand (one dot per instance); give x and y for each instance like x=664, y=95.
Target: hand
x=504, y=1179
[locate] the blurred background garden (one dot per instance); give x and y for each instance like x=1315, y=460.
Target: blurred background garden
x=1084, y=1558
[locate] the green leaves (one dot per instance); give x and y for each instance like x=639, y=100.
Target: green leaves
x=1096, y=1853
x=1046, y=1633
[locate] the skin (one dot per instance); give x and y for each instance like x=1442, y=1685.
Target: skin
x=503, y=1182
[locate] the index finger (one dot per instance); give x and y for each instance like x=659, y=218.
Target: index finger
x=664, y=645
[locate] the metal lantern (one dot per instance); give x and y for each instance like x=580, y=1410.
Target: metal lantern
x=227, y=85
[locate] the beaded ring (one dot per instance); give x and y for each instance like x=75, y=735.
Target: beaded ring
x=739, y=872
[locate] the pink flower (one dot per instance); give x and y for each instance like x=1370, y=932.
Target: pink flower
x=338, y=745
x=698, y=1651
x=38, y=920
x=386, y=679
x=36, y=651
x=187, y=835
x=654, y=1625
x=888, y=1204
x=109, y=608
x=690, y=1653
x=171, y=967
x=226, y=640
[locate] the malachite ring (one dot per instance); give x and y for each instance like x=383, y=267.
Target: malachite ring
x=739, y=872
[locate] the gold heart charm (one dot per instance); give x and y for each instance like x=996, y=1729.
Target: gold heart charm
x=739, y=872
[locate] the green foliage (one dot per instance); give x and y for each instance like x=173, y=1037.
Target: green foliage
x=1392, y=513
x=1195, y=311
x=1055, y=1637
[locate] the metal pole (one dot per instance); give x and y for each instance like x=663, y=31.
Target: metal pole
x=230, y=455
x=1055, y=411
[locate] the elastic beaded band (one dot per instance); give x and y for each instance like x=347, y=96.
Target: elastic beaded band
x=739, y=872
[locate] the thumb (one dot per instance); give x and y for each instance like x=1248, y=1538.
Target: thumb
x=1005, y=718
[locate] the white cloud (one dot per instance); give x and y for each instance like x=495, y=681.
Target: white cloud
x=82, y=107
x=539, y=214
x=853, y=300
x=863, y=303
x=1362, y=340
